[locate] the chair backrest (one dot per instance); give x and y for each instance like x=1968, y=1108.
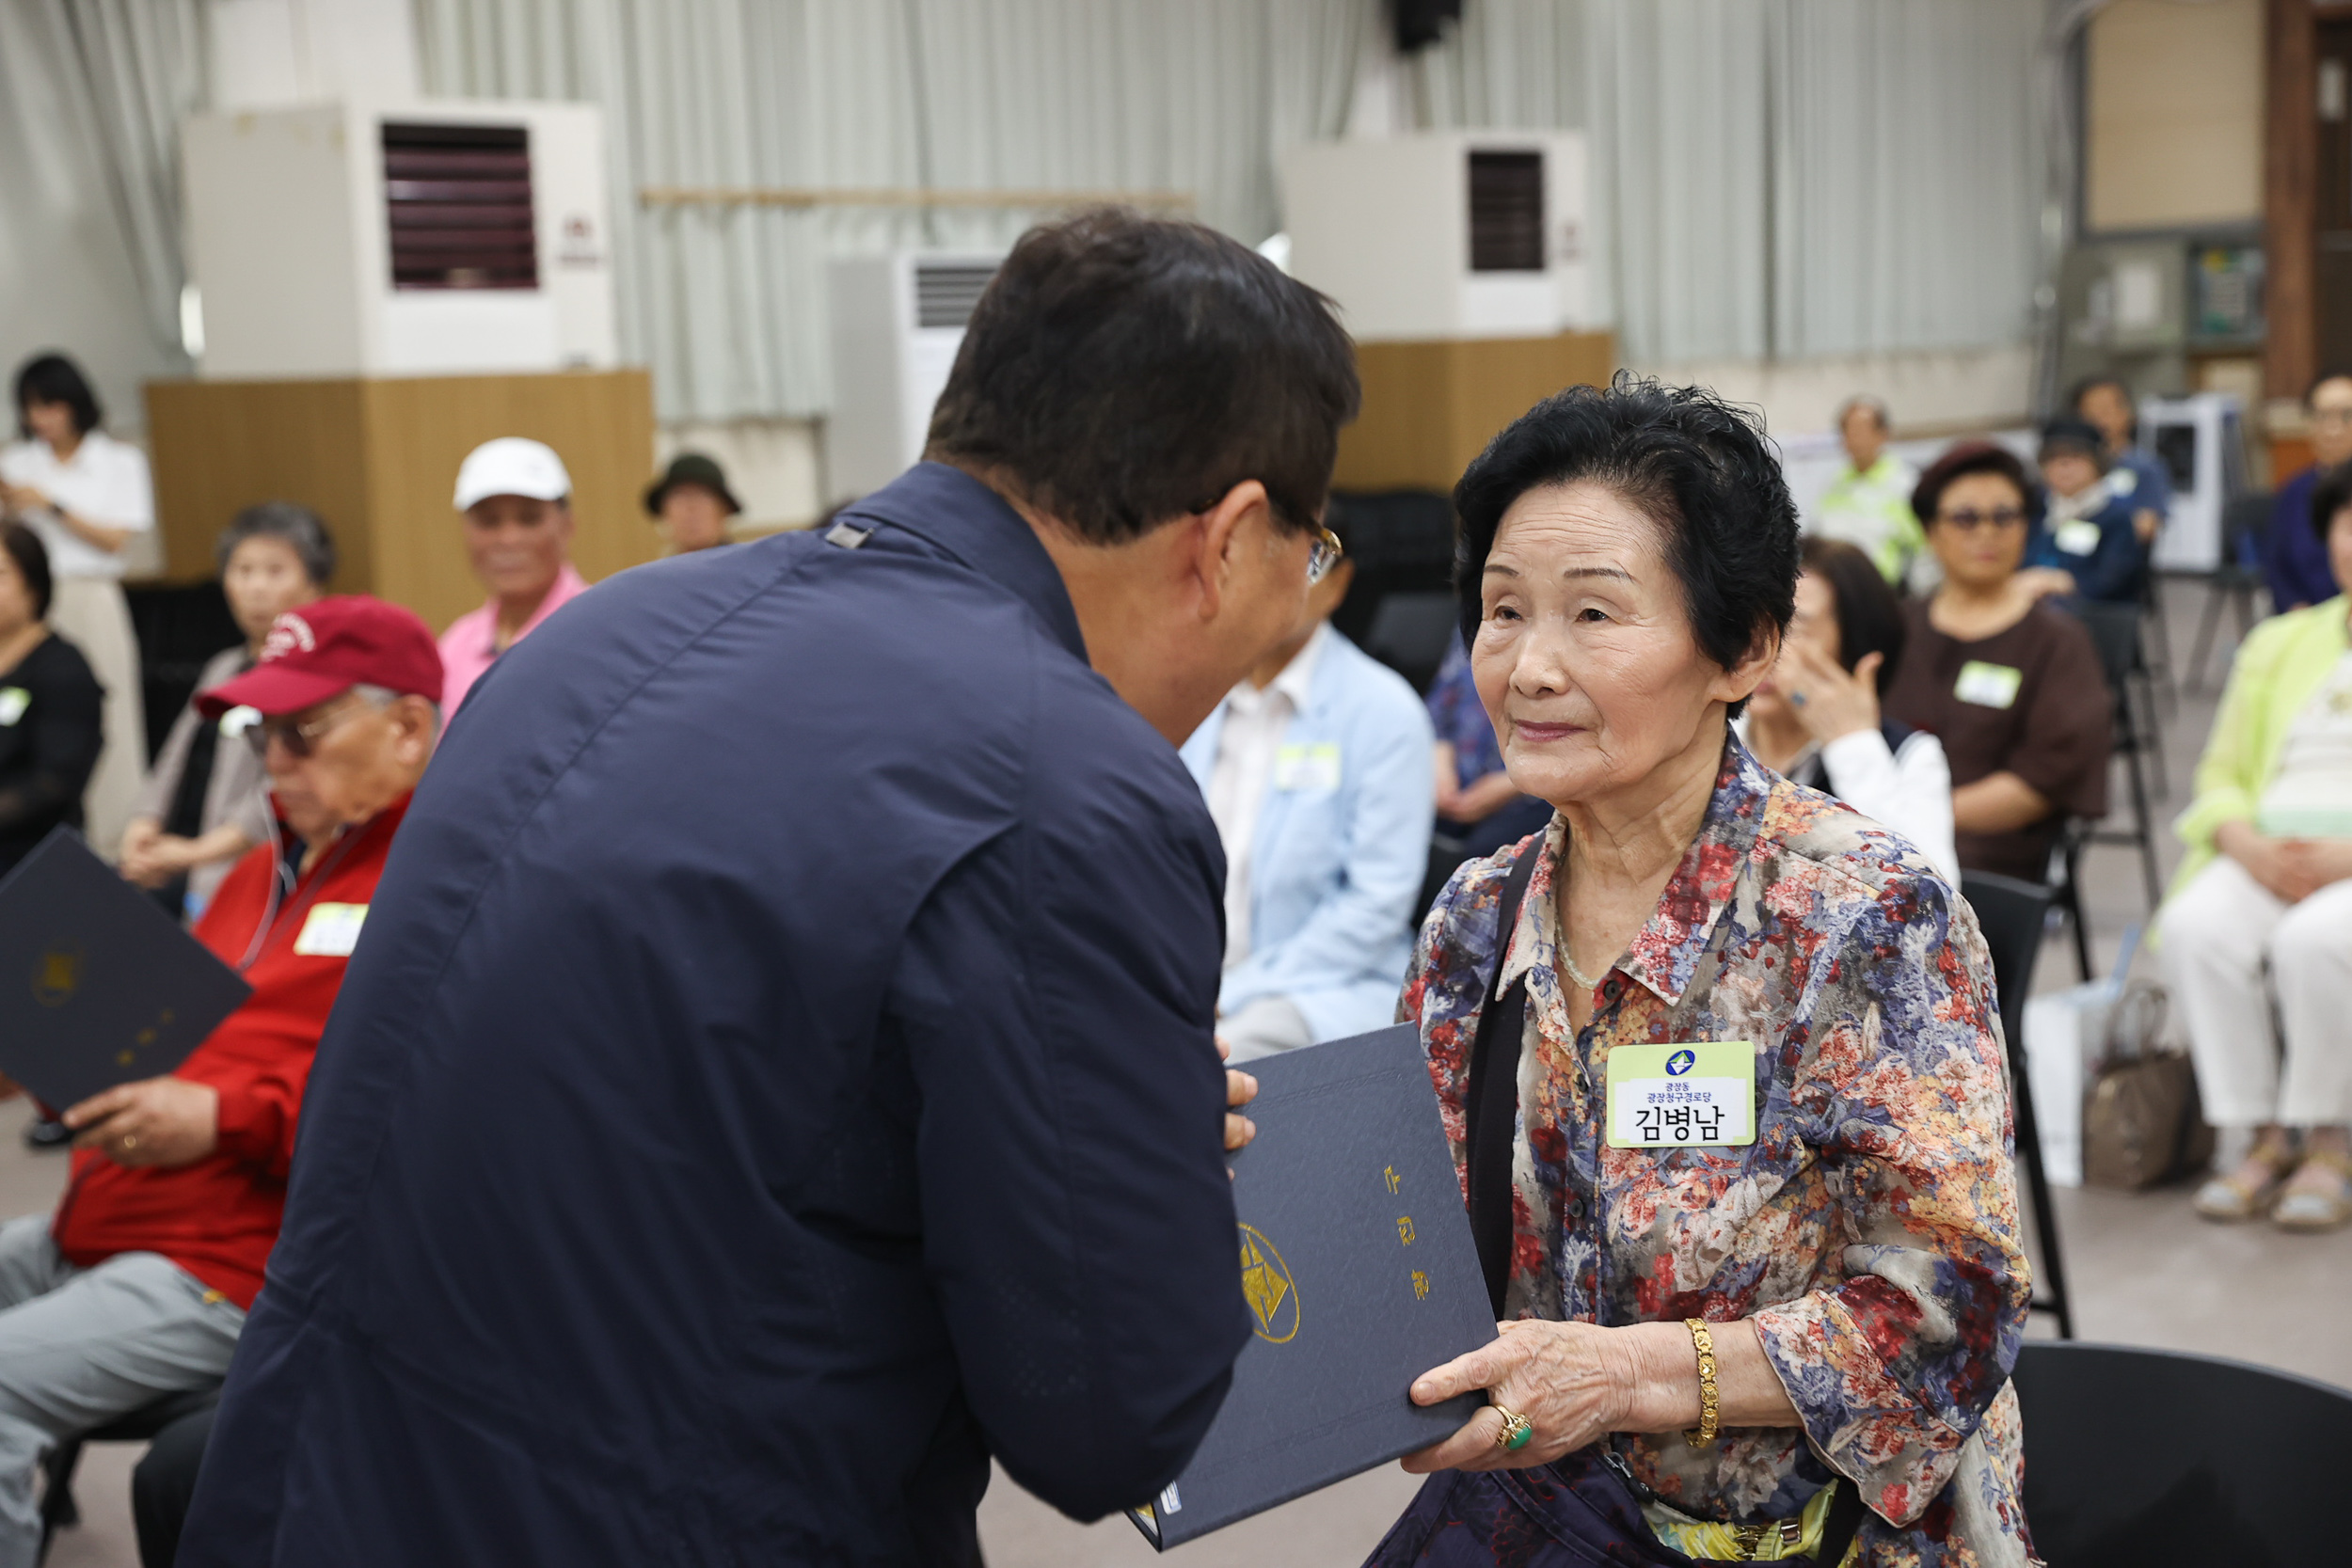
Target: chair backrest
x=2244, y=528
x=2011, y=914
x=2155, y=1459
x=2115, y=632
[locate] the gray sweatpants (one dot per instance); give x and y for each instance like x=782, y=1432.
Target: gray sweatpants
x=81, y=1347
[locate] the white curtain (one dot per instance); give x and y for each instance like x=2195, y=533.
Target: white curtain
x=92, y=93
x=1907, y=174
x=726, y=304
x=1779, y=179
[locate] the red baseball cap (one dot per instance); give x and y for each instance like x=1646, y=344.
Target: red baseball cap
x=329, y=646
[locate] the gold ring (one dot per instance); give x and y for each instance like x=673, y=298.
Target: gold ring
x=1517, y=1430
x=130, y=1140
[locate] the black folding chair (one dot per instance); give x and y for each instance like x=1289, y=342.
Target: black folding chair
x=2156, y=1458
x=57, y=1510
x=2115, y=631
x=2244, y=537
x=2012, y=914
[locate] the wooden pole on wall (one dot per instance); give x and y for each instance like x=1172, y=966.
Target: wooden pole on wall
x=2290, y=197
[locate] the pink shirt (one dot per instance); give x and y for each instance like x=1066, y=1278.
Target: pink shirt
x=471, y=645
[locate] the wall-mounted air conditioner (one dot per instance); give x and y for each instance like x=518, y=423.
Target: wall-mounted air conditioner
x=418, y=239
x=1447, y=234
x=897, y=320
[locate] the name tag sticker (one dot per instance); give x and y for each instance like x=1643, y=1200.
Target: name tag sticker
x=15, y=700
x=330, y=931
x=2077, y=537
x=1311, y=767
x=1988, y=685
x=1699, y=1093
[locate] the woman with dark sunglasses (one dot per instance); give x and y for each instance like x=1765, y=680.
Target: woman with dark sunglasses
x=2012, y=686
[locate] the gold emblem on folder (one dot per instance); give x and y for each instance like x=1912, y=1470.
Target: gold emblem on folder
x=58, y=976
x=1266, y=1282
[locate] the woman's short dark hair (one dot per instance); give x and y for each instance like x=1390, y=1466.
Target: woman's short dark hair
x=1123, y=371
x=2330, y=495
x=1870, y=617
x=1693, y=463
x=54, y=378
x=32, y=563
x=1970, y=457
x=302, y=529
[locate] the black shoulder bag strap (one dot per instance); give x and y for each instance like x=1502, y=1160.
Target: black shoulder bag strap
x=1490, y=1113
x=1490, y=1107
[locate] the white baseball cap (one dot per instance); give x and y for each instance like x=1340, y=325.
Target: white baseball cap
x=512, y=466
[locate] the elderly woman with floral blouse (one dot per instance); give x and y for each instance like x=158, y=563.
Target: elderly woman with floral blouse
x=1750, y=1222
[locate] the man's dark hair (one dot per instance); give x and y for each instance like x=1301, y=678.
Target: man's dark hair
x=1124, y=371
x=2090, y=384
x=2332, y=495
x=302, y=530
x=1870, y=617
x=32, y=560
x=1696, y=467
x=1971, y=457
x=54, y=378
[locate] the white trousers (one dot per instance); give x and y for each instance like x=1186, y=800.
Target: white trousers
x=1266, y=1027
x=92, y=614
x=2230, y=948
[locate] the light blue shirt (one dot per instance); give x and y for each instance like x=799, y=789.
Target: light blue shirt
x=1340, y=847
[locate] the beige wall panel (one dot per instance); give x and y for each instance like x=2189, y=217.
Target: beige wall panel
x=1430, y=408
x=2175, y=113
x=217, y=447
x=378, y=460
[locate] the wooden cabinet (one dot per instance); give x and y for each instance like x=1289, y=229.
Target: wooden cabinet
x=1431, y=406
x=377, y=458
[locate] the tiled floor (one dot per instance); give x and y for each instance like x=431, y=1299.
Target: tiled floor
x=2144, y=1270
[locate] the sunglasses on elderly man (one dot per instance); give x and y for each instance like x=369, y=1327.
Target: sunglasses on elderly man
x=300, y=737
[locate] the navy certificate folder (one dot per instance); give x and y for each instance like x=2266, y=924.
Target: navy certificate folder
x=1357, y=1264
x=98, y=985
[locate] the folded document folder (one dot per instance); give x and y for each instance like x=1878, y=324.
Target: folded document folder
x=98, y=985
x=1357, y=1261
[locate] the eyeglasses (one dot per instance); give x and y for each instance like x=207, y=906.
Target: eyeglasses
x=1968, y=518
x=299, y=738
x=1325, y=555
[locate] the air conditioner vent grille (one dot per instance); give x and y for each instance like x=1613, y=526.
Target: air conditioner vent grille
x=945, y=292
x=457, y=206
x=1506, y=212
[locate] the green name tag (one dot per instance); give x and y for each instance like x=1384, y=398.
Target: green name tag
x=1988, y=685
x=15, y=700
x=1671, y=1096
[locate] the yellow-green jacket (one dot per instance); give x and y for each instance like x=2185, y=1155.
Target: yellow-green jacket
x=2279, y=665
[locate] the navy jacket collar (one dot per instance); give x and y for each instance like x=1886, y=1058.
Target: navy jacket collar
x=962, y=518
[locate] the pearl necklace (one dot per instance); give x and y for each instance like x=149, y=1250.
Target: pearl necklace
x=1567, y=962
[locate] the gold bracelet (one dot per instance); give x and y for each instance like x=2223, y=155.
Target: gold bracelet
x=1711, y=1408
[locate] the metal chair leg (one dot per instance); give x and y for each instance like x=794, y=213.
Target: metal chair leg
x=2208, y=623
x=2028, y=1132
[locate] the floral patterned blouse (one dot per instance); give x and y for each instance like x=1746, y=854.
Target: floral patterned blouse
x=1871, y=1231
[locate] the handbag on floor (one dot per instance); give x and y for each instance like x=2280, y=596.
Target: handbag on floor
x=2143, y=1123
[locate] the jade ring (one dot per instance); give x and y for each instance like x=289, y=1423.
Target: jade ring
x=1517, y=1430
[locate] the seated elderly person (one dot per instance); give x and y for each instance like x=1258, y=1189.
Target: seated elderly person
x=1816, y=718
x=1868, y=504
x=1734, y=1128
x=2267, y=891
x=2087, y=545
x=204, y=803
x=1316, y=770
x=138, y=1284
x=2012, y=686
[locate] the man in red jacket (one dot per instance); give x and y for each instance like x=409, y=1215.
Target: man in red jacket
x=137, y=1286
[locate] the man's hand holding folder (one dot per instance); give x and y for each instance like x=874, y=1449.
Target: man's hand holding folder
x=154, y=1121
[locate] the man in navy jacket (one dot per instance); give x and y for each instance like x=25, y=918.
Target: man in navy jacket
x=778, y=1073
